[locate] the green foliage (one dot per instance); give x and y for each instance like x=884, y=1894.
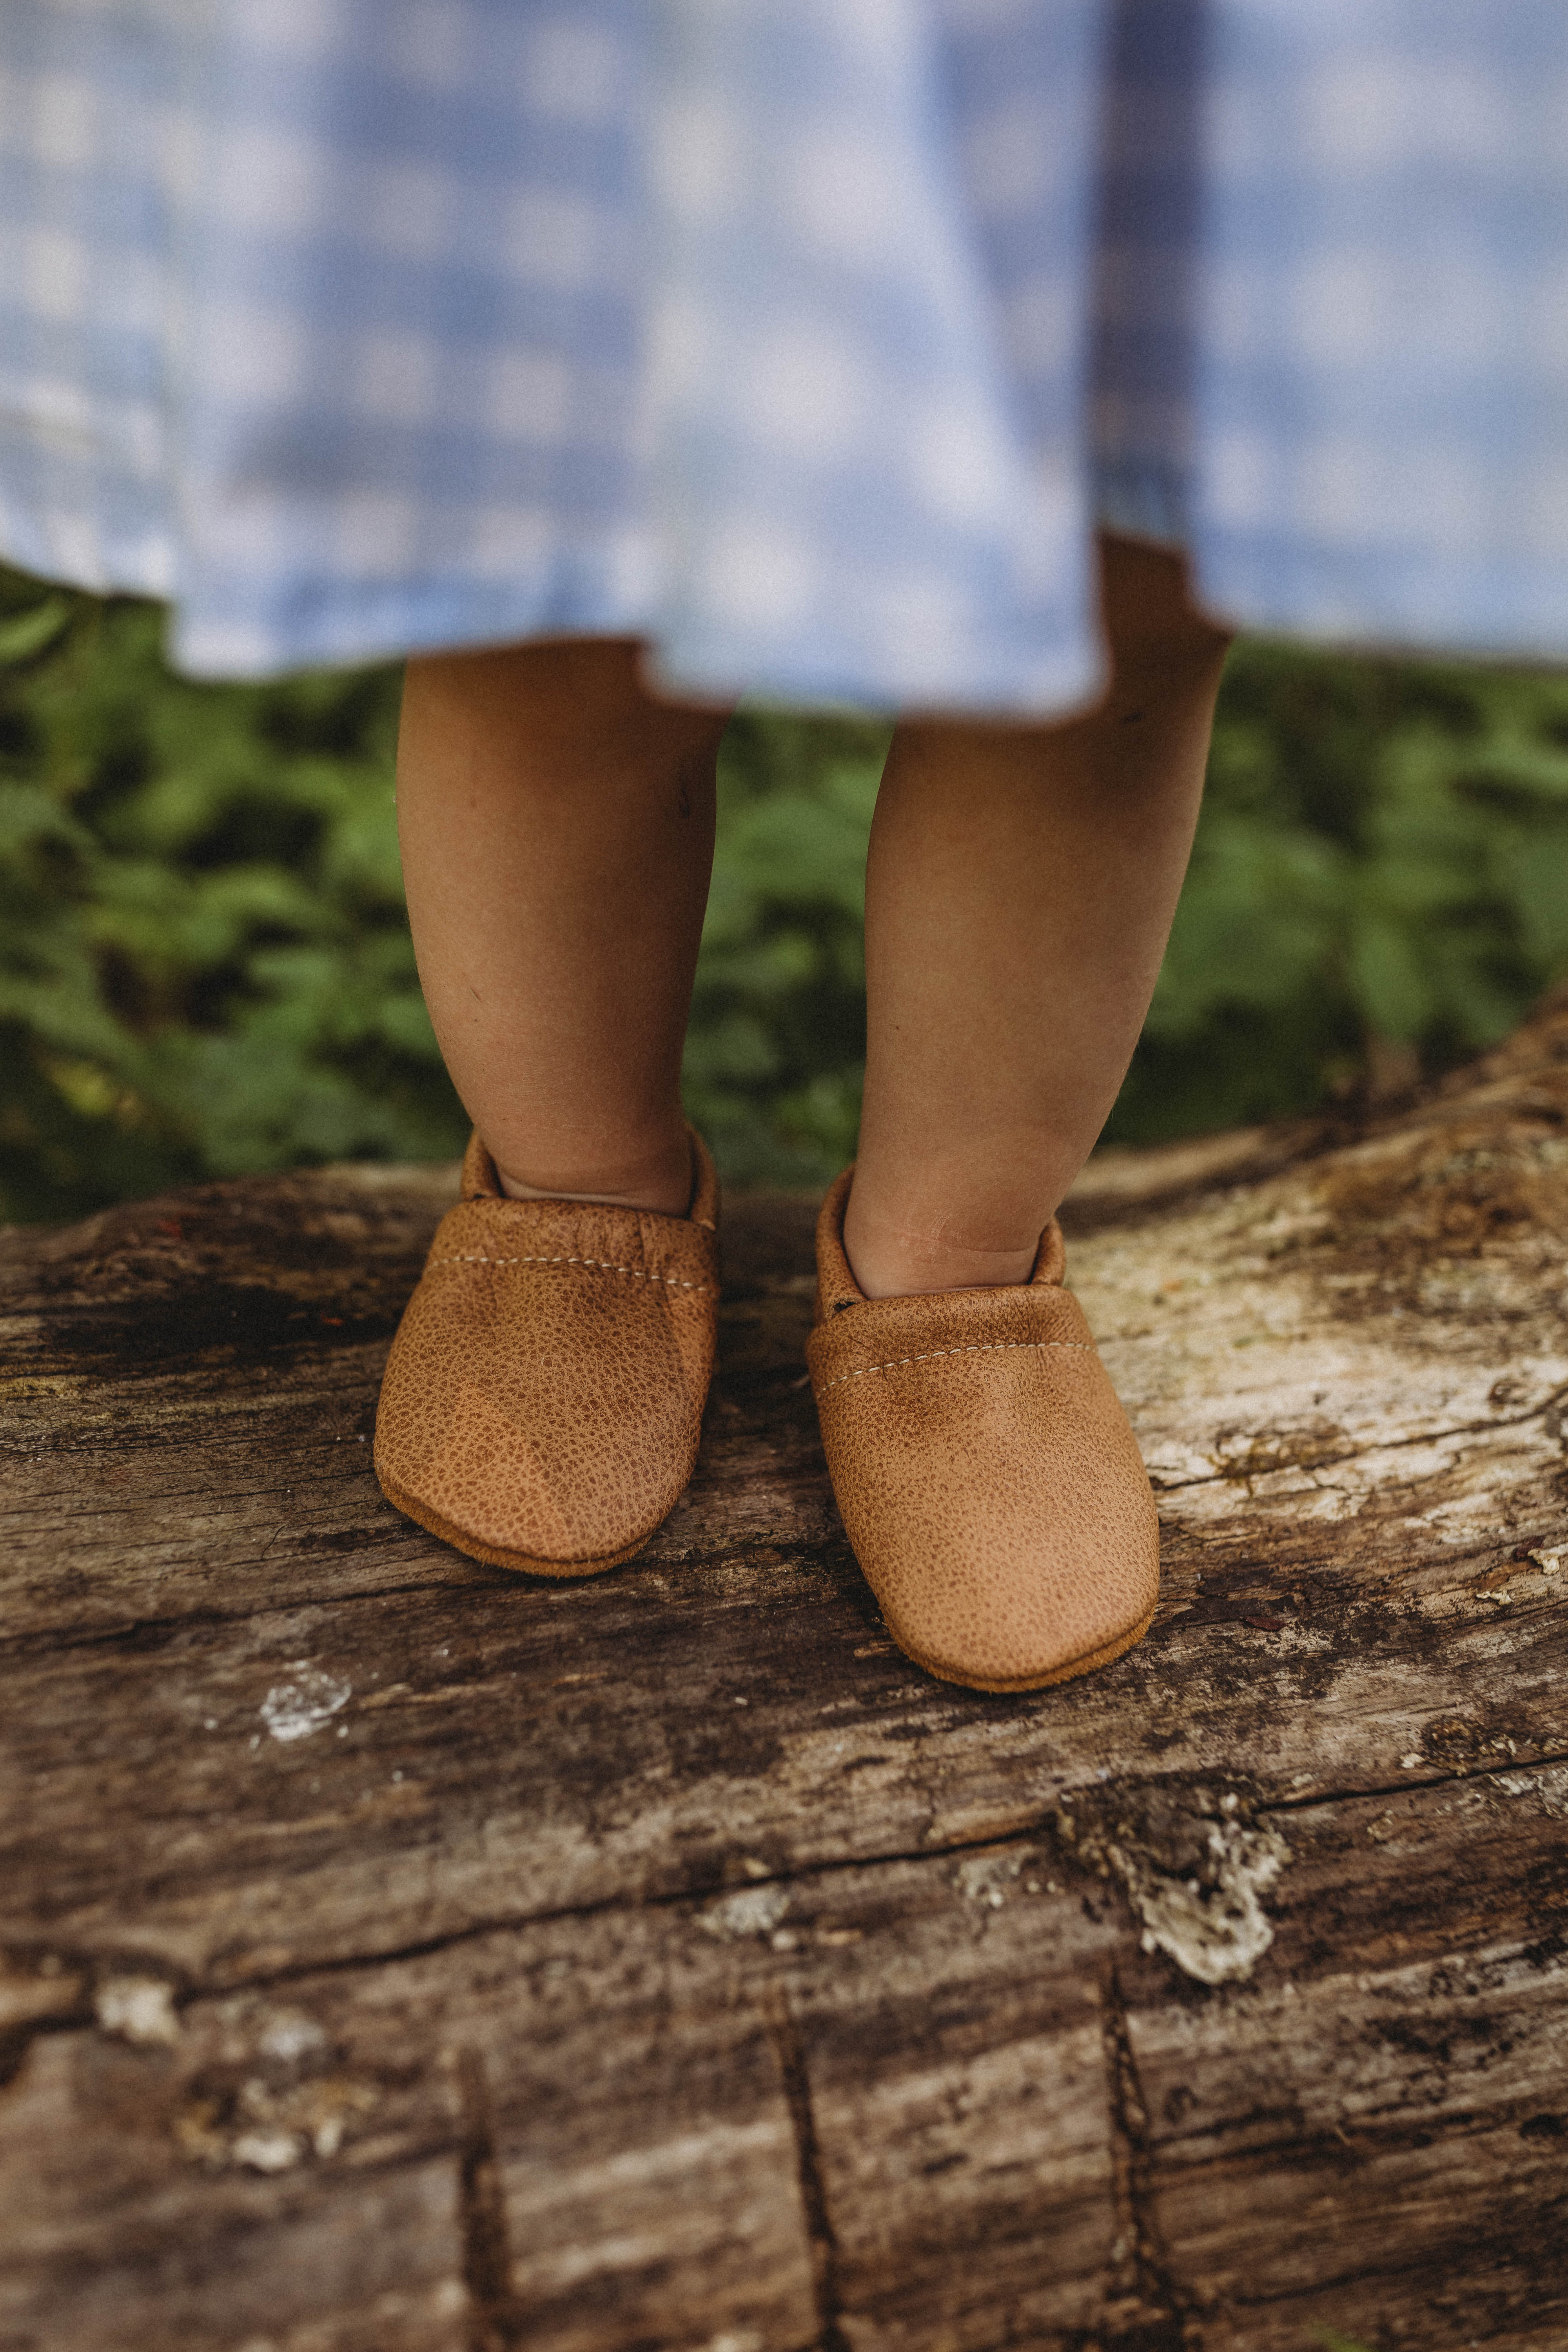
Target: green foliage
x=204, y=967
x=1381, y=876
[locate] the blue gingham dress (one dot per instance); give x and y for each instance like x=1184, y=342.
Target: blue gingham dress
x=808, y=339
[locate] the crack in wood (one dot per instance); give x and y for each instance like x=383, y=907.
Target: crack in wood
x=485, y=2223
x=784, y=2035
x=1146, y=2310
x=85, y=1958
x=1437, y=1779
x=16, y=2041
x=1237, y=1477
x=494, y=2319
x=18, y=1648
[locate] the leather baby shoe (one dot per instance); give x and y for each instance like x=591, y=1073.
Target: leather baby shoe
x=543, y=1397
x=984, y=1470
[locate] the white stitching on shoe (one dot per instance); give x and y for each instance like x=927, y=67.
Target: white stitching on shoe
x=974, y=1348
x=637, y=1273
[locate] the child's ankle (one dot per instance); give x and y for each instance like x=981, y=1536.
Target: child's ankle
x=889, y=1261
x=659, y=1181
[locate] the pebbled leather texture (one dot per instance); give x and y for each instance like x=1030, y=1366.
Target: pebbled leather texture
x=543, y=1397
x=986, y=1475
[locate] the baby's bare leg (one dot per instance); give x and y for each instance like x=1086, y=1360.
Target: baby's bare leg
x=1019, y=893
x=557, y=831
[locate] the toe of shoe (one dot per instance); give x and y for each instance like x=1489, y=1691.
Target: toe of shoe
x=1002, y=1515
x=1012, y=1600
x=554, y=1443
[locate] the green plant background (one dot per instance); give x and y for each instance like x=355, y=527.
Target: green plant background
x=204, y=968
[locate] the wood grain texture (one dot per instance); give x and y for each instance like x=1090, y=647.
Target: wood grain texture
x=400, y=1955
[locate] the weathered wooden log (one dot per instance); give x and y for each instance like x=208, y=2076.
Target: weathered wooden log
x=400, y=1955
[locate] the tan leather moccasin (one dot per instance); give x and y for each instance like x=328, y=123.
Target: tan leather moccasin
x=543, y=1397
x=984, y=1470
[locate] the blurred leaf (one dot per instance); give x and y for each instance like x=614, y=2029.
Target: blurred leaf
x=1386, y=975
x=1383, y=855
x=204, y=963
x=27, y=632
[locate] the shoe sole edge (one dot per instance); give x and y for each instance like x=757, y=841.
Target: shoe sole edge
x=519, y=1563
x=1105, y=1655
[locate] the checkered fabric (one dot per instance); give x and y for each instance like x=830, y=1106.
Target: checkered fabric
x=805, y=338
